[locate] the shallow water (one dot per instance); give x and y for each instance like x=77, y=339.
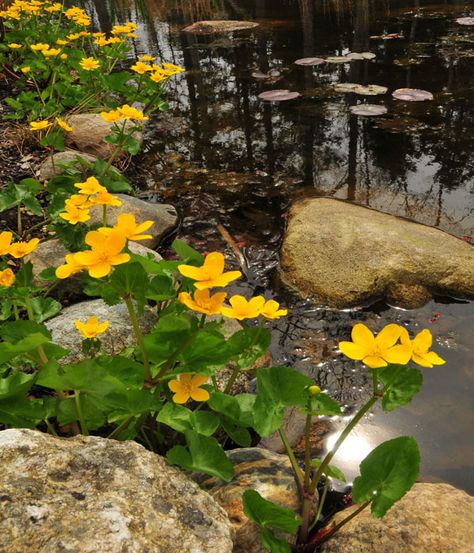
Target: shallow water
x=223, y=156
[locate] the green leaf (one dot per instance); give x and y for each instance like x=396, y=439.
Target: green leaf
x=330, y=470
x=204, y=454
x=387, y=473
x=26, y=345
x=169, y=334
x=322, y=405
x=267, y=514
x=45, y=308
x=277, y=389
x=238, y=409
x=21, y=412
x=17, y=330
x=181, y=418
x=206, y=352
x=24, y=277
x=161, y=288
x=236, y=433
x=188, y=254
x=249, y=344
x=130, y=279
x=273, y=543
x=16, y=384
x=401, y=382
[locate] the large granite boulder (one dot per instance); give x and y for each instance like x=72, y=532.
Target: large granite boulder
x=344, y=254
x=257, y=469
x=430, y=518
x=88, y=133
x=93, y=495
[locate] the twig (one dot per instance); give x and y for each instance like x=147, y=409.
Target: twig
x=235, y=249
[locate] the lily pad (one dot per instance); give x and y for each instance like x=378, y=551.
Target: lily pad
x=360, y=56
x=388, y=36
x=412, y=95
x=338, y=59
x=309, y=61
x=369, y=90
x=278, y=95
x=273, y=74
x=465, y=20
x=219, y=26
x=368, y=110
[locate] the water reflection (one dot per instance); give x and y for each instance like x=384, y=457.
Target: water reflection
x=223, y=156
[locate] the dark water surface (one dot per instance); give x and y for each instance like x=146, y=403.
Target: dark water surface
x=223, y=156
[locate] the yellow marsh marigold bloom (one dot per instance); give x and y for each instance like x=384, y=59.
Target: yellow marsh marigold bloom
x=203, y=302
x=379, y=351
x=25, y=69
x=141, y=68
x=90, y=186
x=75, y=215
x=61, y=42
x=127, y=225
x=420, y=348
x=188, y=386
x=243, y=309
x=63, y=124
x=211, y=273
x=14, y=45
x=5, y=242
x=89, y=64
x=104, y=254
x=175, y=69
x=39, y=125
x=159, y=76
x=54, y=8
x=129, y=112
x=63, y=56
x=146, y=58
x=40, y=47
x=91, y=327
x=69, y=268
x=271, y=310
x=75, y=36
x=7, y=278
x=105, y=198
x=111, y=116
x=79, y=201
x=20, y=249
x=51, y=52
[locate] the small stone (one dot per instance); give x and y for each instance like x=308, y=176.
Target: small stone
x=93, y=495
x=430, y=518
x=50, y=167
x=88, y=133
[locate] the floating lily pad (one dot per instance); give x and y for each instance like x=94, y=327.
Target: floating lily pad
x=338, y=59
x=412, y=95
x=219, y=26
x=310, y=61
x=465, y=20
x=388, y=36
x=278, y=95
x=360, y=56
x=369, y=90
x=273, y=74
x=403, y=62
x=368, y=110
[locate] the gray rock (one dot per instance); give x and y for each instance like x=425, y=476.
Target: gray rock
x=93, y=495
x=51, y=253
x=164, y=216
x=118, y=336
x=343, y=255
x=50, y=166
x=219, y=26
x=257, y=469
x=430, y=518
x=88, y=133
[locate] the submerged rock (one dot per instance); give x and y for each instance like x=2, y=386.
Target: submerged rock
x=257, y=469
x=219, y=26
x=93, y=495
x=118, y=336
x=88, y=133
x=430, y=518
x=344, y=254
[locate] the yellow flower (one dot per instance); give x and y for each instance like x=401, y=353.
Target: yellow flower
x=203, y=302
x=159, y=76
x=39, y=125
x=104, y=198
x=141, y=68
x=63, y=56
x=40, y=47
x=75, y=215
x=51, y=52
x=188, y=386
x=114, y=40
x=20, y=249
x=313, y=390
x=420, y=346
x=63, y=124
x=128, y=112
x=127, y=225
x=61, y=42
x=104, y=253
x=25, y=69
x=92, y=327
x=175, y=69
x=211, y=273
x=5, y=242
x=243, y=309
x=376, y=352
x=79, y=201
x=90, y=186
x=111, y=116
x=14, y=45
x=271, y=310
x=101, y=41
x=146, y=58
x=7, y=278
x=89, y=64
x=54, y=8
x=69, y=268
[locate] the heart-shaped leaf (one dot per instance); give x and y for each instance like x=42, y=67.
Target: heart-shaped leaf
x=412, y=95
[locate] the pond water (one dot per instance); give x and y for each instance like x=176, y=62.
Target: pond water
x=222, y=156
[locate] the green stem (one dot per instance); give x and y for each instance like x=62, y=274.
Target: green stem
x=51, y=428
x=334, y=529
x=322, y=467
x=15, y=311
x=19, y=225
x=291, y=456
x=120, y=428
x=321, y=504
x=307, y=451
x=138, y=337
x=202, y=321
x=232, y=379
x=308, y=499
x=375, y=383
x=104, y=215
x=214, y=383
x=172, y=359
x=117, y=150
x=80, y=414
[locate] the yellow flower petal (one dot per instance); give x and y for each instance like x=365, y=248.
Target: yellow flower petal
x=353, y=351
x=181, y=397
x=422, y=361
x=398, y=355
x=374, y=362
x=198, y=394
x=434, y=358
x=423, y=341
x=362, y=336
x=388, y=336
